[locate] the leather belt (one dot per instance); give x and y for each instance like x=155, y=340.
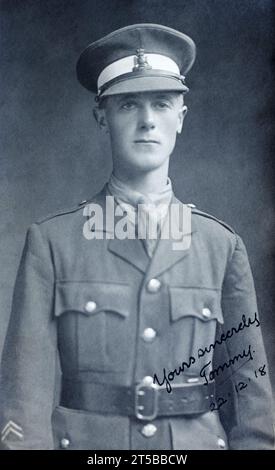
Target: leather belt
x=145, y=402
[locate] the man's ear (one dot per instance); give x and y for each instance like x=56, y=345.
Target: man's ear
x=100, y=117
x=182, y=114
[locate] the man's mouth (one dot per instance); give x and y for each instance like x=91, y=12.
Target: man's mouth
x=146, y=141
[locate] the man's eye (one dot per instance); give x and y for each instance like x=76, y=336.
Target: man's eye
x=162, y=104
x=128, y=105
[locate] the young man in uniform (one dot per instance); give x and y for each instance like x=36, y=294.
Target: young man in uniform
x=157, y=338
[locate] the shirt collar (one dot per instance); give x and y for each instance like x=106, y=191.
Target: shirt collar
x=123, y=192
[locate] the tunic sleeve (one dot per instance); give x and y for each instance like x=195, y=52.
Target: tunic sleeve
x=30, y=351
x=247, y=415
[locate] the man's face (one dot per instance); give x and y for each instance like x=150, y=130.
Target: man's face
x=143, y=128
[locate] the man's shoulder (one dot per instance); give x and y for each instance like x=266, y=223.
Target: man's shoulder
x=202, y=216
x=201, y=219
x=70, y=212
x=62, y=212
x=215, y=234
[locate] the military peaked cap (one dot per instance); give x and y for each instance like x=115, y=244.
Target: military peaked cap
x=137, y=58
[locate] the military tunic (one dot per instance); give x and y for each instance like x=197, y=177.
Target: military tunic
x=100, y=313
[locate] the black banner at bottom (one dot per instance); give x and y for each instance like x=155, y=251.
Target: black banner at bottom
x=117, y=459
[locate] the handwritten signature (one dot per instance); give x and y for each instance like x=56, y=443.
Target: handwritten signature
x=169, y=376
x=213, y=373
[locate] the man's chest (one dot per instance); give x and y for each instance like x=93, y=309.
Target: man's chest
x=121, y=313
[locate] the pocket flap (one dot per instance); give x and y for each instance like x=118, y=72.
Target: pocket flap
x=91, y=297
x=201, y=303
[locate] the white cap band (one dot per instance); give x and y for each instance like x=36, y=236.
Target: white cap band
x=126, y=65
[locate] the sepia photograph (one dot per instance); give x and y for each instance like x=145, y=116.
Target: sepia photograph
x=137, y=226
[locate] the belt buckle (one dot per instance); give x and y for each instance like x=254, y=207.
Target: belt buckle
x=142, y=392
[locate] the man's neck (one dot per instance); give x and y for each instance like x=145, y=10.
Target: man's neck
x=150, y=182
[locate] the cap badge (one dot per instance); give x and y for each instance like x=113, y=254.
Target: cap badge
x=141, y=62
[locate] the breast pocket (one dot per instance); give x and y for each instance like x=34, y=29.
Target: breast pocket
x=195, y=314
x=93, y=324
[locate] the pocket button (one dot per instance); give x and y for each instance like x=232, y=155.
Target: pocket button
x=90, y=306
x=206, y=312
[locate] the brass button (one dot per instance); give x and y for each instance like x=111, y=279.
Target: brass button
x=149, y=430
x=149, y=335
x=64, y=443
x=153, y=285
x=206, y=312
x=90, y=306
x=147, y=380
x=221, y=443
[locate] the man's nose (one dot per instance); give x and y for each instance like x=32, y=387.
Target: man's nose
x=146, y=117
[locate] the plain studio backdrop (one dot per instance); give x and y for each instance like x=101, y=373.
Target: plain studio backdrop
x=53, y=156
